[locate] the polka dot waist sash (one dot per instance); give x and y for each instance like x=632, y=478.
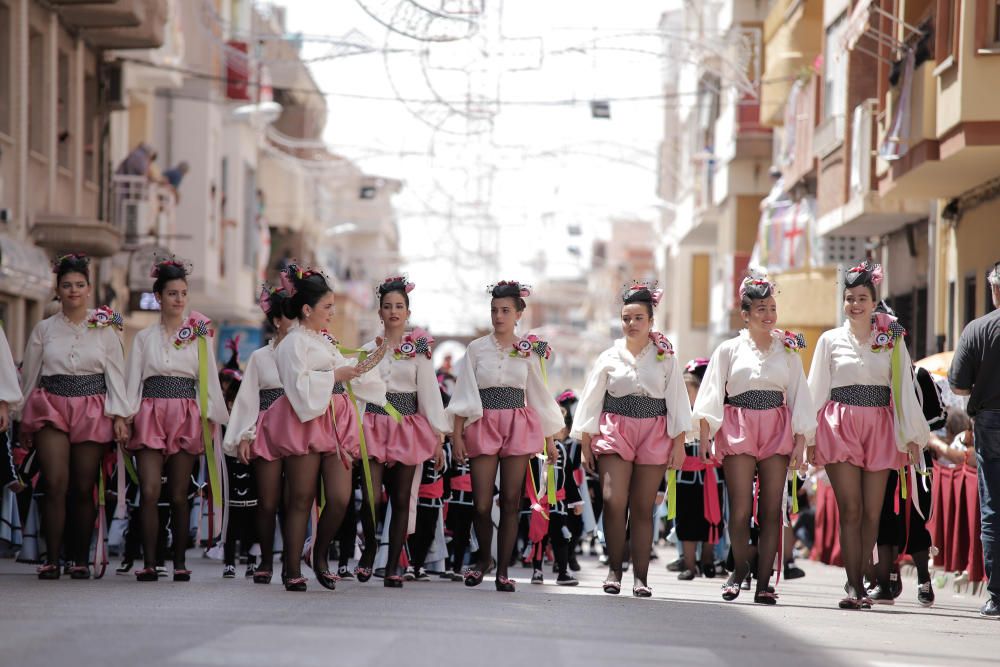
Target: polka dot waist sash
x=404, y=402
x=501, y=398
x=862, y=395
x=339, y=388
x=168, y=386
x=757, y=399
x=635, y=406
x=269, y=396
x=72, y=386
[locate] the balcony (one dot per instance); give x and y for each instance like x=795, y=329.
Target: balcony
x=793, y=34
x=58, y=232
x=954, y=140
x=866, y=213
x=117, y=24
x=143, y=213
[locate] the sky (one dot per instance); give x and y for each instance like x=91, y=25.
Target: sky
x=492, y=133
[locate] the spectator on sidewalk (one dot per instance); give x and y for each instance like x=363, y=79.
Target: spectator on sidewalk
x=975, y=372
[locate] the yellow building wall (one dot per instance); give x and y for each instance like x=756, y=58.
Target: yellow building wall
x=808, y=303
x=977, y=250
x=791, y=43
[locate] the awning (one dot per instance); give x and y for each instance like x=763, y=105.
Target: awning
x=864, y=23
x=24, y=269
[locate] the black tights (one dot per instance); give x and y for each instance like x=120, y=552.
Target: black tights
x=398, y=481
x=512, y=475
x=629, y=493
x=70, y=473
x=772, y=473
x=859, y=496
x=301, y=475
x=178, y=468
x=338, y=485
x=268, y=474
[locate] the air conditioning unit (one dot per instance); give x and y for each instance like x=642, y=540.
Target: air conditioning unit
x=113, y=86
x=135, y=221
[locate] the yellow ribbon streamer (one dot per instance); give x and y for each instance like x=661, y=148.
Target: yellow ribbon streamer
x=551, y=469
x=671, y=494
x=795, y=493
x=206, y=427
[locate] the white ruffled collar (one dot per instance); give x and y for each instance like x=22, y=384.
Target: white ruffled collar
x=761, y=354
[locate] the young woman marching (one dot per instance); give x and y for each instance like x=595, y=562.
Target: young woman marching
x=313, y=428
x=395, y=449
x=755, y=401
x=632, y=416
x=74, y=384
x=503, y=415
x=869, y=421
x=166, y=365
x=260, y=388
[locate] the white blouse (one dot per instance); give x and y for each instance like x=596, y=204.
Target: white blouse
x=840, y=360
x=10, y=391
x=153, y=353
x=738, y=366
x=487, y=364
x=59, y=347
x=306, y=363
x=261, y=373
x=620, y=374
x=414, y=375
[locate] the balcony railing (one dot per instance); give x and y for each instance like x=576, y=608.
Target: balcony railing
x=143, y=211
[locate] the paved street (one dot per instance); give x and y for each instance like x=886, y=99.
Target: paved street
x=212, y=621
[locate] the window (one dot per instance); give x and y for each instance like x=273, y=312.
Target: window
x=835, y=69
x=63, y=106
x=947, y=23
x=995, y=22
x=90, y=118
x=5, y=65
x=36, y=91
x=700, y=290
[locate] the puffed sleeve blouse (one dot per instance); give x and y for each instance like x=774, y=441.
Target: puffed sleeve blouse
x=408, y=375
x=487, y=364
x=306, y=363
x=261, y=373
x=738, y=366
x=10, y=390
x=650, y=373
x=59, y=347
x=841, y=360
x=154, y=353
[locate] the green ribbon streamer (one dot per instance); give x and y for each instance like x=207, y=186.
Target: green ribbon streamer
x=206, y=427
x=365, y=465
x=550, y=490
x=795, y=493
x=129, y=468
x=671, y=494
x=896, y=365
